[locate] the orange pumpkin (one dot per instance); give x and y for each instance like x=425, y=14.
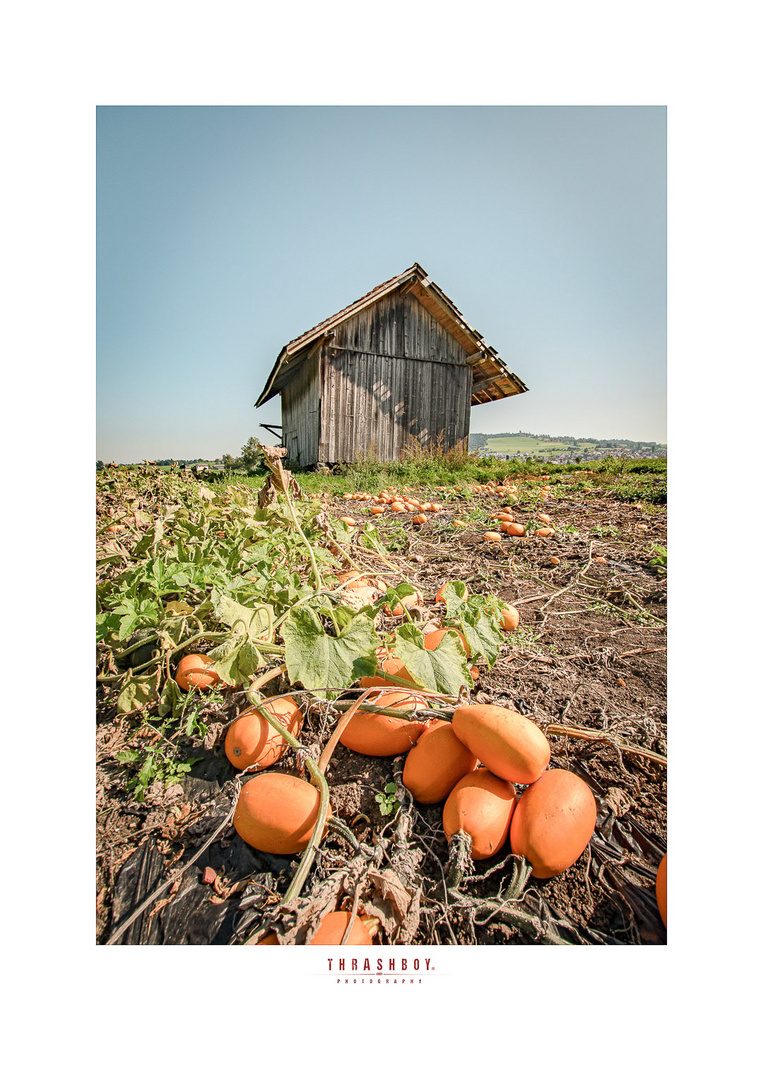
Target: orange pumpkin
x=250, y=740
x=276, y=813
x=436, y=763
x=377, y=735
x=554, y=822
x=413, y=599
x=481, y=804
x=433, y=639
x=392, y=667
x=196, y=670
x=507, y=743
x=332, y=927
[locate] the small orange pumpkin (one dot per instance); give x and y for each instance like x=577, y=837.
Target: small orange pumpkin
x=196, y=670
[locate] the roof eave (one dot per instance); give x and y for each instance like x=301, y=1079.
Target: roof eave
x=267, y=394
x=299, y=343
x=487, y=363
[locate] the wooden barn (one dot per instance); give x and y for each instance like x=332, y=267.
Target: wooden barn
x=400, y=362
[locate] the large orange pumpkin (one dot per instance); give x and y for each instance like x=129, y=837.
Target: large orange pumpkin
x=277, y=812
x=481, y=804
x=554, y=822
x=509, y=744
x=436, y=763
x=377, y=735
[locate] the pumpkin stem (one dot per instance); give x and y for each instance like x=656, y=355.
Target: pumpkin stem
x=308, y=855
x=306, y=542
x=459, y=858
x=520, y=875
x=263, y=679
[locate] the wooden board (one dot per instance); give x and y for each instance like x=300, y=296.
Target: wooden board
x=372, y=404
x=300, y=412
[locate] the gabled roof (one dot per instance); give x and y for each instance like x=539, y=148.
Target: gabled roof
x=492, y=380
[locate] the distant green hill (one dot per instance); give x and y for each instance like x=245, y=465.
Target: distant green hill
x=523, y=444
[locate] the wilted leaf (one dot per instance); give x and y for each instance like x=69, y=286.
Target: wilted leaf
x=171, y=699
x=178, y=607
x=394, y=904
x=137, y=692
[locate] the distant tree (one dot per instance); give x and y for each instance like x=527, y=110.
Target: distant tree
x=251, y=455
x=98, y=465
x=230, y=462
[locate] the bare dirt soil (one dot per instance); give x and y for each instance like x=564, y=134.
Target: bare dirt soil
x=588, y=664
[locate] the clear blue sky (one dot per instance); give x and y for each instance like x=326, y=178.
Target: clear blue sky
x=222, y=233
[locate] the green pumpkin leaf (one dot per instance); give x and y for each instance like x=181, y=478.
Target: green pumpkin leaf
x=316, y=658
x=236, y=660
x=127, y=757
x=252, y=622
x=454, y=595
x=395, y=594
x=480, y=629
x=444, y=669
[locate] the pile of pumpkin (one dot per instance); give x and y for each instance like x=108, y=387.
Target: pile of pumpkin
x=399, y=502
x=471, y=764
x=511, y=527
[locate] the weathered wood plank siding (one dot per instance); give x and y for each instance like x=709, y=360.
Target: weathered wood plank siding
x=372, y=404
x=301, y=411
x=388, y=373
x=398, y=325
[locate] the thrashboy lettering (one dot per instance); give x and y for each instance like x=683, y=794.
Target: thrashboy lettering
x=355, y=964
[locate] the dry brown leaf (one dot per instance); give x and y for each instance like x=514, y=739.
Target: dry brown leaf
x=618, y=801
x=394, y=905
